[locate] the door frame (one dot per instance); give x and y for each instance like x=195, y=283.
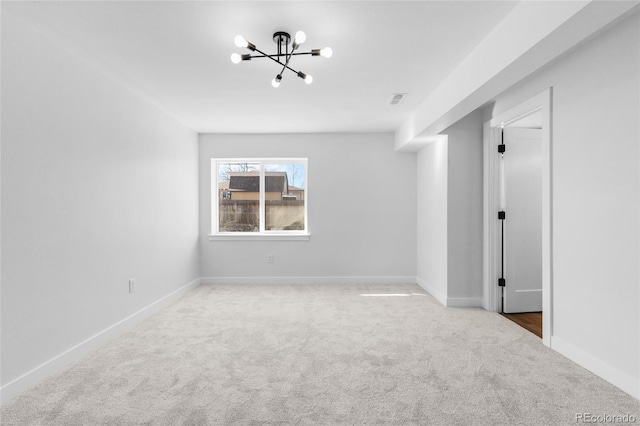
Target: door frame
x=491, y=140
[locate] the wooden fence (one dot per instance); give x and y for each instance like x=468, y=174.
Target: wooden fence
x=244, y=215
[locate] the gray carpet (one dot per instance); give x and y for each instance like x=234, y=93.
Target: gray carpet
x=319, y=354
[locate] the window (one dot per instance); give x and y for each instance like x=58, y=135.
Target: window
x=259, y=198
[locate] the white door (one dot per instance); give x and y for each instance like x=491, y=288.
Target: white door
x=522, y=199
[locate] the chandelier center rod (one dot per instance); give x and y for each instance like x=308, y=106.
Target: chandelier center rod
x=281, y=38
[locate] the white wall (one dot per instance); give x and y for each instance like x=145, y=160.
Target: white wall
x=596, y=200
x=432, y=253
x=464, y=224
x=362, y=211
x=98, y=186
x=449, y=224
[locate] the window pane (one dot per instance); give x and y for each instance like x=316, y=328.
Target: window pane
x=285, y=197
x=239, y=197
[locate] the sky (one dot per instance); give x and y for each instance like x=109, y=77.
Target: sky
x=295, y=171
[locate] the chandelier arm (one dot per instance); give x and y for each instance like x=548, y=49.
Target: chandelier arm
x=288, y=57
x=286, y=47
x=264, y=55
x=276, y=55
x=290, y=69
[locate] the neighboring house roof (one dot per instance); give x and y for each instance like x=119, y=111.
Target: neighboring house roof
x=250, y=182
x=255, y=173
x=295, y=188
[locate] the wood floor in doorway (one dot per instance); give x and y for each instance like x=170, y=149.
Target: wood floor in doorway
x=531, y=321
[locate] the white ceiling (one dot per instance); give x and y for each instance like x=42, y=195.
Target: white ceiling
x=176, y=54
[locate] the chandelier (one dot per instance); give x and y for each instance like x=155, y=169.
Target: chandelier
x=282, y=40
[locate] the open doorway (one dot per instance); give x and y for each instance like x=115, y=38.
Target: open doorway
x=520, y=181
x=517, y=207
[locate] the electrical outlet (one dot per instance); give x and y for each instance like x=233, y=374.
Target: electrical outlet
x=132, y=285
x=270, y=258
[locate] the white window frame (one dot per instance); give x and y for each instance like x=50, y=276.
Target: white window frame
x=262, y=234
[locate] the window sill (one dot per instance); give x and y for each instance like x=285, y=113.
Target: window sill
x=246, y=236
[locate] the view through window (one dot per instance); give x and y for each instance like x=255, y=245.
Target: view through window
x=259, y=195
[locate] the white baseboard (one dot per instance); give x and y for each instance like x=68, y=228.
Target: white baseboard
x=308, y=280
x=611, y=374
x=450, y=302
x=55, y=364
x=432, y=291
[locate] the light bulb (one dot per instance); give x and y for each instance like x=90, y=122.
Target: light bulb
x=236, y=58
x=327, y=52
x=307, y=78
x=276, y=81
x=240, y=41
x=300, y=37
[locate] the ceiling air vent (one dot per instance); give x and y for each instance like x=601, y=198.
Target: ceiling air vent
x=396, y=98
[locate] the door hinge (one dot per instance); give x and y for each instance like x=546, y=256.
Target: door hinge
x=502, y=282
x=502, y=215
